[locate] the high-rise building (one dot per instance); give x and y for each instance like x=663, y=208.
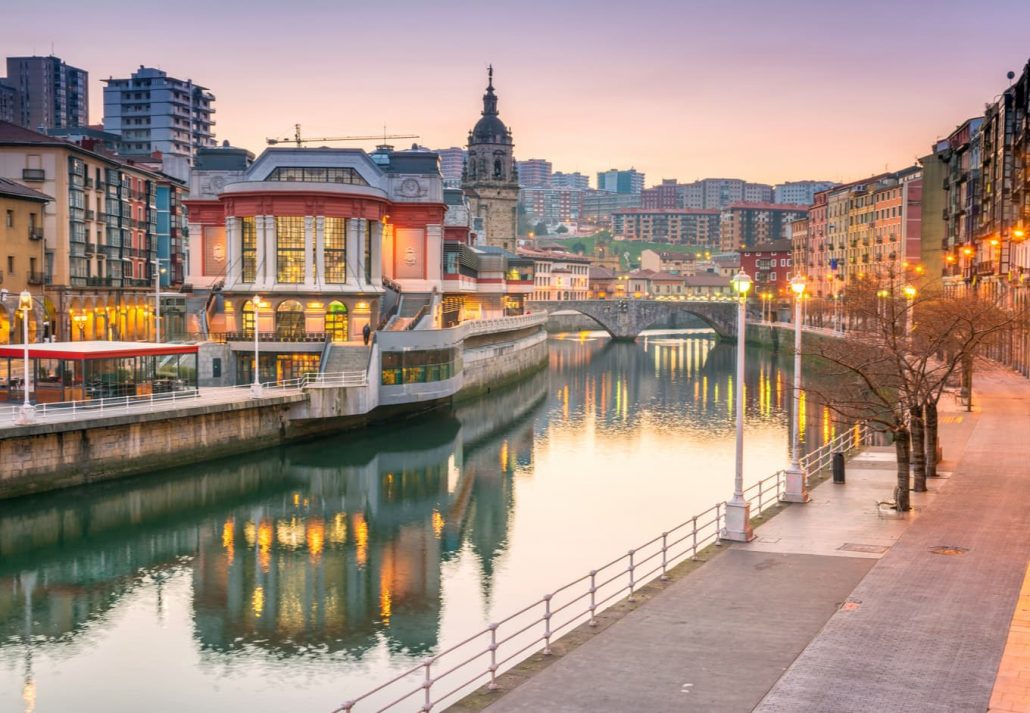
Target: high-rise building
x=452, y=163
x=48, y=94
x=744, y=225
x=8, y=102
x=799, y=192
x=570, y=180
x=535, y=173
x=154, y=112
x=552, y=205
x=665, y=196
x=618, y=181
x=491, y=179
x=718, y=193
x=687, y=226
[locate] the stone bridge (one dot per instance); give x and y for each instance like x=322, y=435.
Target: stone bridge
x=625, y=319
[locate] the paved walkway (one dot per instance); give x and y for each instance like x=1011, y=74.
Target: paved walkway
x=838, y=605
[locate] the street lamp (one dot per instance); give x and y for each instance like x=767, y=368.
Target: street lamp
x=255, y=387
x=157, y=297
x=797, y=479
x=28, y=413
x=737, y=525
x=910, y=294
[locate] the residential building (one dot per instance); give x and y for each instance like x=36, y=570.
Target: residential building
x=558, y=275
x=491, y=180
x=154, y=112
x=100, y=235
x=598, y=206
x=452, y=163
x=672, y=263
x=552, y=205
x=770, y=266
x=619, y=181
x=707, y=286
x=604, y=284
x=718, y=193
x=682, y=225
x=799, y=192
x=8, y=102
x=22, y=253
x=535, y=173
x=664, y=196
x=48, y=93
x=570, y=180
x=648, y=284
x=744, y=225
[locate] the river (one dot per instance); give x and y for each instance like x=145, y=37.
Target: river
x=296, y=577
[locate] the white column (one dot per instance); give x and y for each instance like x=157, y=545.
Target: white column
x=355, y=259
x=233, y=251
x=320, y=250
x=309, y=251
x=267, y=266
x=377, y=253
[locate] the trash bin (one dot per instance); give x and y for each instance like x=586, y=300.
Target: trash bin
x=838, y=468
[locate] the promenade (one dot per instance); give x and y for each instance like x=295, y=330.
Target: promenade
x=840, y=605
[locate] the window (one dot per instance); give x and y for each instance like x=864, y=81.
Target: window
x=248, y=249
x=335, y=250
x=336, y=322
x=289, y=237
x=317, y=175
x=289, y=320
x=10, y=264
x=368, y=251
x=9, y=221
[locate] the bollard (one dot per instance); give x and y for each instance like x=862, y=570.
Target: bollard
x=838, y=468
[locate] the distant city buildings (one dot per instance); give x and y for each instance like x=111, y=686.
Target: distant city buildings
x=619, y=181
x=799, y=192
x=535, y=173
x=44, y=93
x=680, y=225
x=709, y=193
x=745, y=225
x=570, y=180
x=666, y=195
x=154, y=112
x=452, y=163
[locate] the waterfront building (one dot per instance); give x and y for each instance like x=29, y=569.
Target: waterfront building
x=534, y=173
x=686, y=226
x=47, y=93
x=491, y=179
x=96, y=277
x=570, y=180
x=648, y=284
x=22, y=253
x=718, y=193
x=799, y=192
x=770, y=266
x=604, y=284
x=745, y=225
x=665, y=196
x=314, y=232
x=620, y=181
x=558, y=275
x=152, y=111
x=707, y=286
x=672, y=263
x=452, y=163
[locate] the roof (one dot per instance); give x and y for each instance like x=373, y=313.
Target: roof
x=600, y=273
x=556, y=255
x=16, y=190
x=776, y=246
x=95, y=350
x=14, y=134
x=781, y=207
x=668, y=211
x=706, y=279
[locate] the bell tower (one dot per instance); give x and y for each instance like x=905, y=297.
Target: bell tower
x=490, y=179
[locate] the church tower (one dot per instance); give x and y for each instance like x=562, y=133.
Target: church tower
x=490, y=179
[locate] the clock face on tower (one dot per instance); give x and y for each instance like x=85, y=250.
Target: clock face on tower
x=409, y=187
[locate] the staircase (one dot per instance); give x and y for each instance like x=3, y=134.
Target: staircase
x=411, y=306
x=347, y=357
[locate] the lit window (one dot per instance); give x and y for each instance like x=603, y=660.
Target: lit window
x=289, y=237
x=335, y=250
x=248, y=243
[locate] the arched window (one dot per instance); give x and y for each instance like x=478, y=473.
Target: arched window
x=289, y=320
x=497, y=168
x=248, y=318
x=336, y=322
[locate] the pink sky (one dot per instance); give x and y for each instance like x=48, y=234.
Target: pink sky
x=767, y=91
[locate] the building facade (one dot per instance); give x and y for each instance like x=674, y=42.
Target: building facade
x=771, y=267
x=570, y=180
x=799, y=192
x=552, y=205
x=683, y=226
x=745, y=225
x=620, y=181
x=452, y=163
x=154, y=112
x=664, y=196
x=23, y=254
x=558, y=275
x=491, y=179
x=535, y=173
x=718, y=193
x=47, y=93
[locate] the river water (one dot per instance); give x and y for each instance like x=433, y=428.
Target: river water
x=294, y=578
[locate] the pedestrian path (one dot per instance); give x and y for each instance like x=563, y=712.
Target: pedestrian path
x=1012, y=686
x=839, y=605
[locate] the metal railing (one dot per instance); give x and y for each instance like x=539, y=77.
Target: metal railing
x=339, y=378
x=481, y=657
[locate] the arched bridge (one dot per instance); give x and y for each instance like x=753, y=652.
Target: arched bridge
x=625, y=319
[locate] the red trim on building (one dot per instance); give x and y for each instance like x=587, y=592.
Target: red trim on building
x=301, y=203
x=44, y=351
x=206, y=212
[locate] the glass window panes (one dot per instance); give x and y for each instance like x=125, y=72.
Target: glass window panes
x=289, y=232
x=248, y=245
x=335, y=250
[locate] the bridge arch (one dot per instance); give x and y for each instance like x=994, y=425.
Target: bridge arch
x=626, y=319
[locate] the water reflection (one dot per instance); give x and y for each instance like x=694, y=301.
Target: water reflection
x=351, y=557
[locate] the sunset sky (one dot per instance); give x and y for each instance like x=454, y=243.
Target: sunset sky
x=763, y=90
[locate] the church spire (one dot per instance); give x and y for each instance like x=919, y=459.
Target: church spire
x=490, y=99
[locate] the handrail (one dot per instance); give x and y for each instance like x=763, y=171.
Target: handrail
x=506, y=642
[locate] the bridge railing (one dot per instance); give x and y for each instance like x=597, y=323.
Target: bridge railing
x=480, y=658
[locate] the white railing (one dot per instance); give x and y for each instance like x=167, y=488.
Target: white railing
x=500, y=324
x=338, y=378
x=480, y=658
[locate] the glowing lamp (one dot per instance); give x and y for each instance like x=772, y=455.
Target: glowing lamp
x=1018, y=234
x=741, y=283
x=25, y=302
x=910, y=291
x=994, y=242
x=797, y=285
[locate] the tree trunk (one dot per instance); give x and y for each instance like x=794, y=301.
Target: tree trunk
x=930, y=416
x=901, y=449
x=967, y=381
x=918, y=449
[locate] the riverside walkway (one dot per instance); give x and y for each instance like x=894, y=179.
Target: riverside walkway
x=839, y=605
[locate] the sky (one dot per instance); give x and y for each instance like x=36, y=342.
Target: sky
x=764, y=90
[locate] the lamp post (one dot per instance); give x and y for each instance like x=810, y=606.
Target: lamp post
x=737, y=525
x=910, y=295
x=27, y=413
x=797, y=479
x=255, y=387
x=157, y=297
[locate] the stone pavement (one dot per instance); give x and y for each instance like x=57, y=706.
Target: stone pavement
x=1012, y=686
x=839, y=605
x=927, y=625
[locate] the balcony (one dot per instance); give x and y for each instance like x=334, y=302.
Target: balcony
x=90, y=215
x=37, y=175
x=37, y=278
x=35, y=233
x=94, y=281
